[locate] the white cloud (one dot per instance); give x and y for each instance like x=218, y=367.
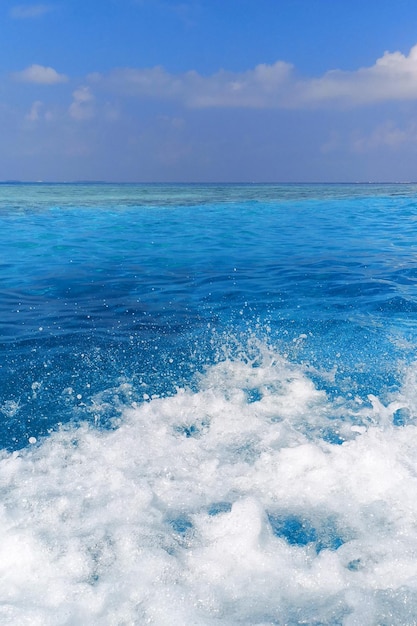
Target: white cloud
x=389, y=136
x=386, y=135
x=82, y=106
x=35, y=111
x=392, y=77
x=38, y=112
x=256, y=88
x=29, y=11
x=40, y=74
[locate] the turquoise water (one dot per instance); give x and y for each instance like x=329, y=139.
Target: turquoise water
x=207, y=403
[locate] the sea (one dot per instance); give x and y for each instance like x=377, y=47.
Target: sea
x=208, y=404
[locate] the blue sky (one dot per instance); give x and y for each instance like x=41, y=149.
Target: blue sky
x=209, y=90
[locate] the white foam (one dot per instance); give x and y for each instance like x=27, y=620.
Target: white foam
x=222, y=505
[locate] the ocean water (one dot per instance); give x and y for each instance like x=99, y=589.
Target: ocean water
x=208, y=405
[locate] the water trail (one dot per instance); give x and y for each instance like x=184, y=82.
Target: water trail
x=226, y=503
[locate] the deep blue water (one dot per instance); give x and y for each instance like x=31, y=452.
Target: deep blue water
x=147, y=283
x=208, y=409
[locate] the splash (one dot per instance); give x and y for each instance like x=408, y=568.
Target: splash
x=251, y=498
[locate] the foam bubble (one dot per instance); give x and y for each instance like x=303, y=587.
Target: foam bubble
x=225, y=504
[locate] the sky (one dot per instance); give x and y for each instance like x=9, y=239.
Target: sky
x=208, y=90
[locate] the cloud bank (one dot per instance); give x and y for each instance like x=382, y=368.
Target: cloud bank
x=392, y=77
x=265, y=123
x=40, y=75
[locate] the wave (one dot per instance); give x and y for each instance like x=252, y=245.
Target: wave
x=251, y=497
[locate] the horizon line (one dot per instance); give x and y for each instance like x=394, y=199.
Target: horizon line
x=168, y=182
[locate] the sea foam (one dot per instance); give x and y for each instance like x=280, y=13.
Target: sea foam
x=250, y=498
